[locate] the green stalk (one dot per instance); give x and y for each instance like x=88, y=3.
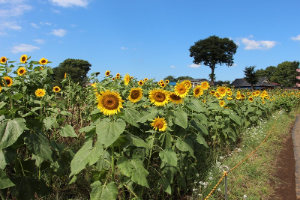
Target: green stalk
x=112, y=163
x=12, y=106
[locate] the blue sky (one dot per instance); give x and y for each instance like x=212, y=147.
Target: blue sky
x=150, y=38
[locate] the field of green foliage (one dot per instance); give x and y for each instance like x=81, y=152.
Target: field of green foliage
x=119, y=138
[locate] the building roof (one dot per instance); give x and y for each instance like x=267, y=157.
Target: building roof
x=199, y=80
x=262, y=82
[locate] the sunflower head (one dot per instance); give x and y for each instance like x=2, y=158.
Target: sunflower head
x=56, y=89
x=131, y=77
x=7, y=81
x=109, y=102
x=21, y=71
x=23, y=59
x=222, y=103
x=40, y=92
x=181, y=89
x=187, y=83
x=107, y=73
x=145, y=79
x=141, y=82
x=3, y=60
x=43, y=61
x=159, y=97
x=222, y=91
x=167, y=81
x=162, y=85
x=126, y=79
x=251, y=99
x=159, y=124
x=135, y=95
x=212, y=92
x=175, y=98
x=205, y=85
x=113, y=78
x=198, y=91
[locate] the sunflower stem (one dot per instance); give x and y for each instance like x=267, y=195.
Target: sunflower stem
x=112, y=163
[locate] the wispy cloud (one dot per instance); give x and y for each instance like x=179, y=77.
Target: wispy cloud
x=59, y=32
x=24, y=48
x=13, y=8
x=70, y=3
x=124, y=48
x=297, y=38
x=45, y=23
x=262, y=44
x=172, y=66
x=9, y=25
x=34, y=25
x=194, y=66
x=39, y=41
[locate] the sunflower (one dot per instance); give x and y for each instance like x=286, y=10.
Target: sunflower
x=222, y=91
x=160, y=124
x=204, y=101
x=205, y=85
x=243, y=96
x=187, y=83
x=212, y=92
x=23, y=59
x=65, y=76
x=229, y=93
x=263, y=102
x=248, y=93
x=40, y=92
x=229, y=98
x=167, y=81
x=181, y=89
x=109, y=102
x=141, y=82
x=251, y=99
x=3, y=59
x=8, y=81
x=238, y=96
x=198, y=91
x=43, y=61
x=217, y=95
x=131, y=77
x=163, y=85
x=135, y=95
x=56, y=89
x=126, y=79
x=107, y=73
x=175, y=98
x=0, y=88
x=159, y=97
x=222, y=103
x=113, y=78
x=21, y=71
x=145, y=79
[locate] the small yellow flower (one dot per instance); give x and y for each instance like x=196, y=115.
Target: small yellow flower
x=145, y=79
x=23, y=59
x=107, y=73
x=8, y=81
x=141, y=82
x=56, y=89
x=167, y=81
x=21, y=71
x=40, y=92
x=3, y=59
x=160, y=124
x=43, y=61
x=222, y=103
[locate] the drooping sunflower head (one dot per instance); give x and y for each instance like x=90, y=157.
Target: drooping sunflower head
x=167, y=81
x=205, y=85
x=159, y=124
x=181, y=90
x=251, y=99
x=141, y=82
x=243, y=96
x=109, y=102
x=222, y=103
x=135, y=95
x=40, y=92
x=175, y=98
x=107, y=73
x=23, y=59
x=145, y=79
x=8, y=81
x=21, y=71
x=159, y=97
x=3, y=59
x=56, y=89
x=43, y=61
x=126, y=79
x=198, y=91
x=187, y=83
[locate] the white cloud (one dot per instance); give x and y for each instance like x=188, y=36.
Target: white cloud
x=55, y=11
x=172, y=66
x=194, y=66
x=13, y=8
x=24, y=48
x=34, y=25
x=70, y=3
x=73, y=25
x=39, y=41
x=59, y=32
x=297, y=38
x=45, y=23
x=124, y=48
x=263, y=44
x=10, y=25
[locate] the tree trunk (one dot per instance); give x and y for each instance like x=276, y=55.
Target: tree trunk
x=252, y=87
x=212, y=75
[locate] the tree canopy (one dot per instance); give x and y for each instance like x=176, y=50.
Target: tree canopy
x=251, y=76
x=77, y=69
x=213, y=50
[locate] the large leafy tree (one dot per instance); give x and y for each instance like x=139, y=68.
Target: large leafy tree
x=77, y=69
x=213, y=50
x=268, y=72
x=180, y=78
x=286, y=73
x=251, y=76
x=170, y=78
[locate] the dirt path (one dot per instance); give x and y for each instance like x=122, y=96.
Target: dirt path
x=285, y=167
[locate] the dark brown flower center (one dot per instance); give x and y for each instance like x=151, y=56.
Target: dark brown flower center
x=3, y=60
x=23, y=58
x=110, y=102
x=159, y=125
x=175, y=97
x=159, y=96
x=197, y=91
x=134, y=94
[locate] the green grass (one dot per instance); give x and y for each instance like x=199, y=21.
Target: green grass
x=252, y=178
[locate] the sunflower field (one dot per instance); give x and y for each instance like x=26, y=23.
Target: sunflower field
x=120, y=138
